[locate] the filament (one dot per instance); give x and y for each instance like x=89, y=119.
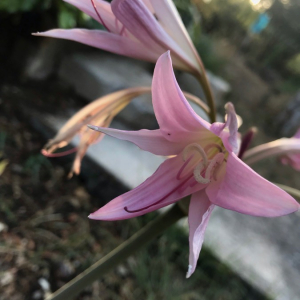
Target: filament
x=197, y=174
x=195, y=147
x=217, y=160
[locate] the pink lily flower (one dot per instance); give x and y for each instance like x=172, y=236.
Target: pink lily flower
x=287, y=148
x=142, y=29
x=204, y=165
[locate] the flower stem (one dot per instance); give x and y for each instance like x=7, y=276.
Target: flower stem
x=112, y=259
x=208, y=94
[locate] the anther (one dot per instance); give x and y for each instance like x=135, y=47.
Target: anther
x=217, y=160
x=213, y=145
x=198, y=148
x=197, y=174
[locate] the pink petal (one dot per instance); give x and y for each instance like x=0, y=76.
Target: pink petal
x=283, y=146
x=159, y=190
x=232, y=125
x=148, y=140
x=103, y=40
x=170, y=20
x=149, y=5
x=291, y=159
x=103, y=7
x=177, y=120
x=199, y=213
x=244, y=191
x=228, y=131
x=142, y=24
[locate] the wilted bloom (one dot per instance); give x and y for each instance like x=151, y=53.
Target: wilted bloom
x=287, y=148
x=142, y=29
x=204, y=165
x=99, y=112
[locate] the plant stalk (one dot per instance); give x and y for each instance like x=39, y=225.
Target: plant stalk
x=208, y=94
x=119, y=254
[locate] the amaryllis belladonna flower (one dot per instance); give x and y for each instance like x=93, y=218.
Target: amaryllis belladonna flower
x=99, y=112
x=204, y=165
x=287, y=148
x=142, y=29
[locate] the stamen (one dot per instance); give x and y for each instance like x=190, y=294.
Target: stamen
x=213, y=145
x=160, y=200
x=217, y=160
x=99, y=16
x=178, y=177
x=198, y=148
x=60, y=154
x=216, y=171
x=197, y=174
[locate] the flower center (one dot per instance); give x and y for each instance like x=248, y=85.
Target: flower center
x=201, y=165
x=204, y=162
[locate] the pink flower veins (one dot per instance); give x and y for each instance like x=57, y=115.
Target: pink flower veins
x=204, y=165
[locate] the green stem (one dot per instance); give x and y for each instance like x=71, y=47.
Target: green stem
x=119, y=254
x=208, y=94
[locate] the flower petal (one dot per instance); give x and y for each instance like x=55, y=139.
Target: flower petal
x=291, y=159
x=142, y=24
x=149, y=140
x=228, y=131
x=199, y=213
x=283, y=146
x=159, y=190
x=103, y=40
x=176, y=118
x=244, y=191
x=103, y=7
x=170, y=20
